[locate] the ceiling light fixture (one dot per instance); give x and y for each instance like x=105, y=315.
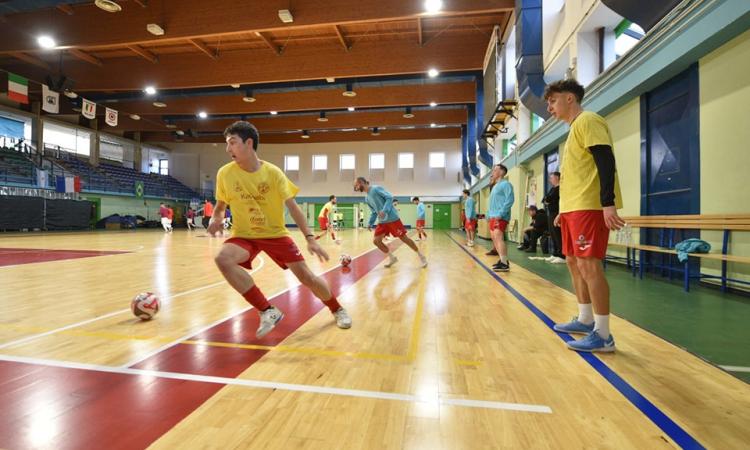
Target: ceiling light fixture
x=248, y=98
x=70, y=94
x=432, y=73
x=202, y=114
x=159, y=104
x=46, y=42
x=135, y=117
x=235, y=85
x=349, y=92
x=330, y=79
x=305, y=135
x=155, y=29
x=375, y=131
x=433, y=6
x=350, y=109
x=108, y=5
x=433, y=104
x=432, y=125
x=180, y=132
x=150, y=90
x=408, y=114
x=322, y=117
x=273, y=113
x=286, y=16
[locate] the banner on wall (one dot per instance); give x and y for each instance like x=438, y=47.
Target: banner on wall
x=139, y=190
x=50, y=100
x=110, y=117
x=88, y=109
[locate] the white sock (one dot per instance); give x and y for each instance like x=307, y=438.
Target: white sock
x=504, y=259
x=585, y=313
x=601, y=325
x=390, y=255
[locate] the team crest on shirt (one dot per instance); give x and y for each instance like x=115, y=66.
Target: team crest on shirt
x=237, y=187
x=583, y=243
x=263, y=188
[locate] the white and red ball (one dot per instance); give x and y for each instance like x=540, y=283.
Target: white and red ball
x=145, y=305
x=345, y=260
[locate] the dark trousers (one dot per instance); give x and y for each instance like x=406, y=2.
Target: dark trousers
x=205, y=221
x=556, y=234
x=530, y=238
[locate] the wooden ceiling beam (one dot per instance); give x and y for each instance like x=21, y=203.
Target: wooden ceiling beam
x=331, y=136
x=267, y=40
x=80, y=54
x=420, y=35
x=142, y=3
x=147, y=55
x=341, y=37
x=66, y=8
x=30, y=59
x=189, y=19
x=204, y=48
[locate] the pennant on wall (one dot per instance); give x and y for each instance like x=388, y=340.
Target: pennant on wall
x=88, y=109
x=50, y=100
x=18, y=88
x=110, y=117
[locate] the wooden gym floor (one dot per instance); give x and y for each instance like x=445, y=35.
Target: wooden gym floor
x=448, y=357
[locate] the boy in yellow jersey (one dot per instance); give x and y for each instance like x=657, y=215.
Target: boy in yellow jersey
x=324, y=219
x=258, y=191
x=589, y=200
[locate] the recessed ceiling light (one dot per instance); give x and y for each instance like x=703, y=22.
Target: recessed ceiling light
x=273, y=113
x=46, y=42
x=202, y=114
x=135, y=117
x=155, y=29
x=286, y=16
x=180, y=132
x=235, y=85
x=432, y=125
x=433, y=6
x=322, y=117
x=351, y=108
x=150, y=90
x=432, y=73
x=330, y=79
x=70, y=94
x=170, y=125
x=108, y=5
x=160, y=104
x=433, y=104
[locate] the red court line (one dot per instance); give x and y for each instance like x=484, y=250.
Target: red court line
x=61, y=408
x=17, y=256
x=298, y=304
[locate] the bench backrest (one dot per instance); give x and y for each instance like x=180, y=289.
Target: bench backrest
x=693, y=221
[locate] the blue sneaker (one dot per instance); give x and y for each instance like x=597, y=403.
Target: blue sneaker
x=593, y=343
x=574, y=326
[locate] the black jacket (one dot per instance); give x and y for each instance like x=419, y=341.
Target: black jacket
x=552, y=200
x=540, y=221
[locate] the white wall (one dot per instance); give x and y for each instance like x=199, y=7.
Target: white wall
x=196, y=163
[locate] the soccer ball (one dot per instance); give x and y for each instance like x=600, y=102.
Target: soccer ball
x=145, y=305
x=345, y=260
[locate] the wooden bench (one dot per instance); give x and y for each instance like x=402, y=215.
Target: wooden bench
x=669, y=227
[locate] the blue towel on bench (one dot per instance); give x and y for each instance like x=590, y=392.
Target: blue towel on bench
x=691, y=246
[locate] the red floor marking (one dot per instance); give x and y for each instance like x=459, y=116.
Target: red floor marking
x=17, y=256
x=52, y=407
x=298, y=304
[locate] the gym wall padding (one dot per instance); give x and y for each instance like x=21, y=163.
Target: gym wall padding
x=17, y=212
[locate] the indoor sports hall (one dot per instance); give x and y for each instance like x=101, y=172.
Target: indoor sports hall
x=382, y=224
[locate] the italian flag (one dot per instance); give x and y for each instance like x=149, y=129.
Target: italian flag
x=18, y=88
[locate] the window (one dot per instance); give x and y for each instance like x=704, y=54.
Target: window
x=377, y=161
x=320, y=162
x=291, y=163
x=406, y=160
x=68, y=139
x=163, y=167
x=346, y=162
x=437, y=160
x=627, y=34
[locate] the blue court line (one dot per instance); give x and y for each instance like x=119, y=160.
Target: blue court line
x=661, y=420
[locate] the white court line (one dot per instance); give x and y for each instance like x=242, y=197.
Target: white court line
x=736, y=368
x=469, y=403
x=85, y=322
x=212, y=324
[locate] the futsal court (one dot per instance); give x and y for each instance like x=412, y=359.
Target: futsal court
x=452, y=356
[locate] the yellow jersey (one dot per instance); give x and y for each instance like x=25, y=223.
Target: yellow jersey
x=256, y=199
x=579, y=177
x=327, y=210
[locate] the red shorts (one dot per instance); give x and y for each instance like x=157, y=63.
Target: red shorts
x=470, y=225
x=282, y=250
x=323, y=222
x=420, y=223
x=395, y=229
x=584, y=234
x=496, y=223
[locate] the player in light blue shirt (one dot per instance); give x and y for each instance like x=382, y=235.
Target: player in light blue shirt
x=498, y=214
x=380, y=202
x=471, y=217
x=421, y=235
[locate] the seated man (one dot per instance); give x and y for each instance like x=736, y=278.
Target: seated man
x=532, y=233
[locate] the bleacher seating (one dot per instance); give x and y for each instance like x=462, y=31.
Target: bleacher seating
x=18, y=168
